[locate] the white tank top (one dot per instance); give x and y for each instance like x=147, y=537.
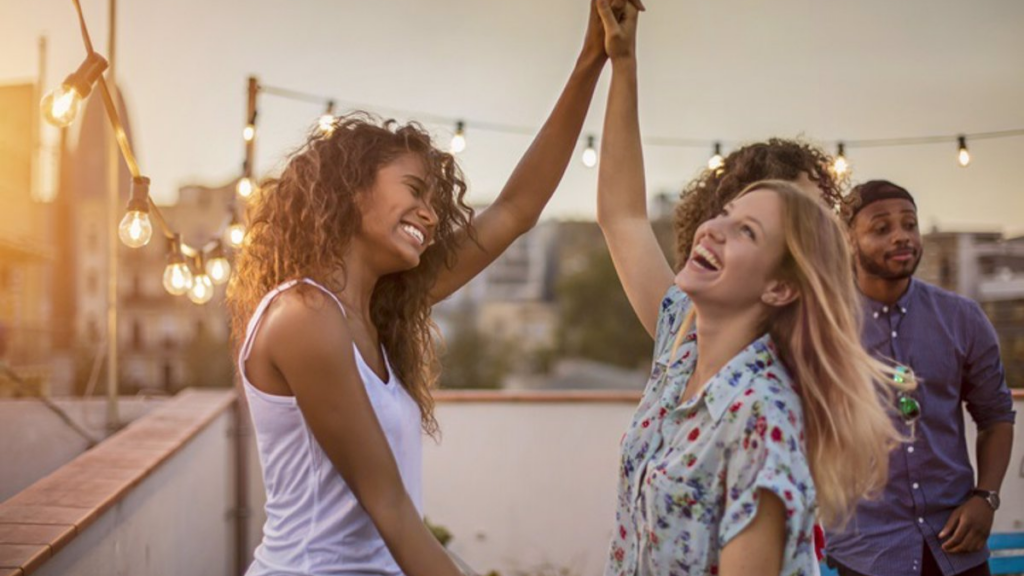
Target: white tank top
x=315, y=526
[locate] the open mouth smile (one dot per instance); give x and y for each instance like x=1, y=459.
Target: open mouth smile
x=705, y=258
x=415, y=233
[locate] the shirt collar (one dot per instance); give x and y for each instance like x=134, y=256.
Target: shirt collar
x=737, y=376
x=902, y=304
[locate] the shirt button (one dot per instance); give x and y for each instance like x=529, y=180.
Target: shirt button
x=920, y=520
x=885, y=309
x=910, y=449
x=916, y=485
x=876, y=315
x=903, y=310
x=894, y=334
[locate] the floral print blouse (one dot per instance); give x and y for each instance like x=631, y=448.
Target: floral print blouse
x=690, y=473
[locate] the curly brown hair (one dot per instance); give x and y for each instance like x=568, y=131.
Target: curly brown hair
x=775, y=159
x=302, y=222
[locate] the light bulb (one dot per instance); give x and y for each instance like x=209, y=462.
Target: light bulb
x=135, y=229
x=841, y=166
x=459, y=139
x=326, y=124
x=963, y=156
x=716, y=161
x=218, y=269
x=177, y=278
x=245, y=187
x=590, y=153
x=60, y=107
x=590, y=157
x=249, y=133
x=235, y=235
x=202, y=289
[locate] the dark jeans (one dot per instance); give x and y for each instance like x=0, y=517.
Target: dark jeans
x=928, y=567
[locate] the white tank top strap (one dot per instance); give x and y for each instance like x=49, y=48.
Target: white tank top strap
x=257, y=315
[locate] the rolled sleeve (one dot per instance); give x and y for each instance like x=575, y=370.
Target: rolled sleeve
x=674, y=307
x=769, y=457
x=985, y=391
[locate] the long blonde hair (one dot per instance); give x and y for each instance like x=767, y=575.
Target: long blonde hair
x=844, y=392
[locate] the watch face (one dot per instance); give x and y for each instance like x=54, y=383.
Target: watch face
x=993, y=499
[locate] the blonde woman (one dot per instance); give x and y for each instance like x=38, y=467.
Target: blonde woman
x=762, y=412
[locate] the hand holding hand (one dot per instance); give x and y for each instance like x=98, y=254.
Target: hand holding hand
x=619, y=27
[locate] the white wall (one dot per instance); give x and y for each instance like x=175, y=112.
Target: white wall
x=521, y=485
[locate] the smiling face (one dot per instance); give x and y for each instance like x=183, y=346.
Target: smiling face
x=398, y=221
x=736, y=255
x=886, y=239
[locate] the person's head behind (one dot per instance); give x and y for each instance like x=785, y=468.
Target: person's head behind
x=775, y=159
x=884, y=232
x=365, y=187
x=780, y=252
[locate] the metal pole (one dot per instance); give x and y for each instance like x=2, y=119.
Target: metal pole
x=250, y=119
x=37, y=146
x=113, y=241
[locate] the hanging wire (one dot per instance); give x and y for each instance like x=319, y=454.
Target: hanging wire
x=85, y=30
x=659, y=141
x=914, y=141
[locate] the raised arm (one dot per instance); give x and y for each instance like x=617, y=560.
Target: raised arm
x=621, y=190
x=535, y=178
x=313, y=352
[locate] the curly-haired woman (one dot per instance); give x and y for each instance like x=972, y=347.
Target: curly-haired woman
x=775, y=159
x=365, y=229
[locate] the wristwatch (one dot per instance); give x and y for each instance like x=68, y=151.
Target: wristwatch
x=990, y=496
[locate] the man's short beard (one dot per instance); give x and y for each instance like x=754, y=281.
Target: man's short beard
x=869, y=266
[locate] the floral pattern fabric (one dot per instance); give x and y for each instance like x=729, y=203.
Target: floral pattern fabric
x=690, y=473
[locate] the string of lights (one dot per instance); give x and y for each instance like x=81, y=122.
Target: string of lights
x=192, y=271
x=589, y=156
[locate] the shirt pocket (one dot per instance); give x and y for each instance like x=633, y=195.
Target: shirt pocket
x=682, y=509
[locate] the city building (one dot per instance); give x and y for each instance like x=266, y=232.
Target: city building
x=26, y=248
x=988, y=268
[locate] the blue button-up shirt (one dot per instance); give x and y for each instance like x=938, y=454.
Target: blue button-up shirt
x=954, y=352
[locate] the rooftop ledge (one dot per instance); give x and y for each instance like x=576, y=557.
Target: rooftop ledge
x=46, y=516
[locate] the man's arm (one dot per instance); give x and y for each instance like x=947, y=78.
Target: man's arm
x=990, y=404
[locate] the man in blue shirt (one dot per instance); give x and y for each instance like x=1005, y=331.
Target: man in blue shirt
x=933, y=517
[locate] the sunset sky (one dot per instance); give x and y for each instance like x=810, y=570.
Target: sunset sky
x=730, y=70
